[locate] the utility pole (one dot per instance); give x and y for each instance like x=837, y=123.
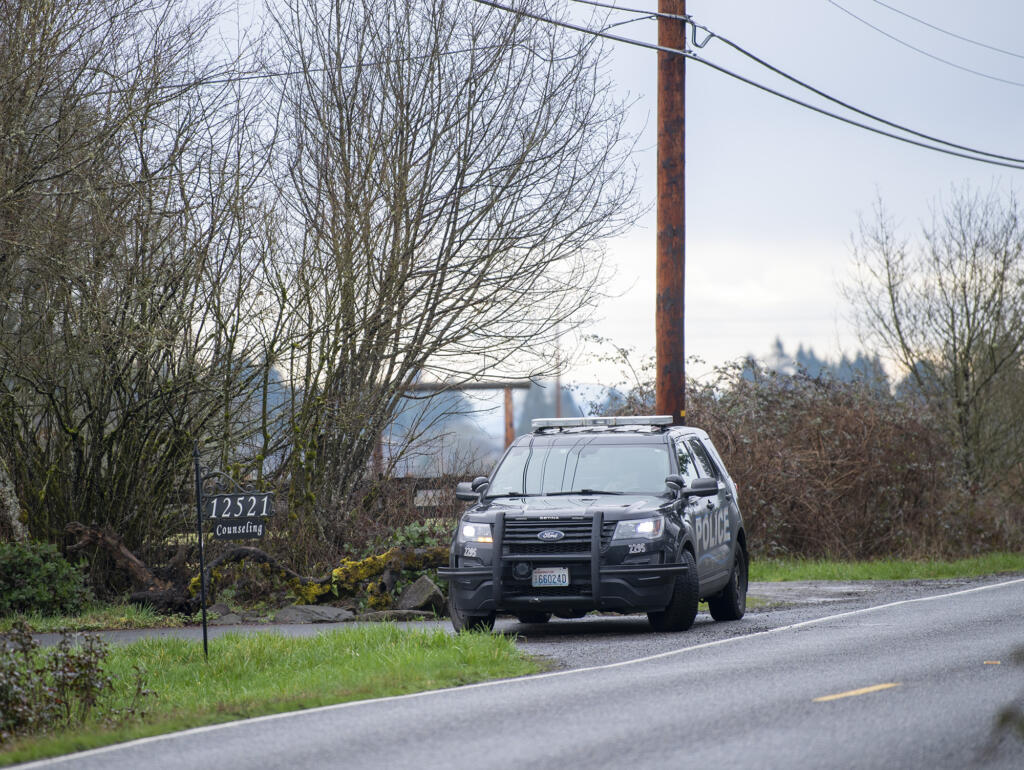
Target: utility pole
x=558, y=377
x=670, y=348
x=510, y=426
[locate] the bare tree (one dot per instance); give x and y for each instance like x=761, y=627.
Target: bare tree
x=449, y=175
x=949, y=310
x=176, y=266
x=131, y=242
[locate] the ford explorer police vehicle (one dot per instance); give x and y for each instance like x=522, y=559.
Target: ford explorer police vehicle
x=618, y=514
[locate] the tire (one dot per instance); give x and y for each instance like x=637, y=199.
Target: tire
x=463, y=622
x=534, y=617
x=731, y=602
x=682, y=607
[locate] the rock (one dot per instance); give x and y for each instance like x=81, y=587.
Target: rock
x=312, y=613
x=421, y=595
x=219, y=609
x=227, y=619
x=166, y=602
x=376, y=617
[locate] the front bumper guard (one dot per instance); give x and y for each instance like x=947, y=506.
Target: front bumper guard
x=602, y=577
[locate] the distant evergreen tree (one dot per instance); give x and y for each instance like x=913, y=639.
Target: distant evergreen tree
x=540, y=402
x=810, y=363
x=910, y=386
x=446, y=432
x=861, y=367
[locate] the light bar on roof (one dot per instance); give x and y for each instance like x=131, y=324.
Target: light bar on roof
x=611, y=422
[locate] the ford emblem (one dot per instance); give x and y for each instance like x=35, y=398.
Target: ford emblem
x=550, y=535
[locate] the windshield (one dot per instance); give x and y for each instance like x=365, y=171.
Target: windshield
x=584, y=466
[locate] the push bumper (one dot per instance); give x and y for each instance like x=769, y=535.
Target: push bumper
x=597, y=586
x=620, y=588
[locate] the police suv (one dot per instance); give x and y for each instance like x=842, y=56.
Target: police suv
x=619, y=514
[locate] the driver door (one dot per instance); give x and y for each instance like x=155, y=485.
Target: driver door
x=691, y=506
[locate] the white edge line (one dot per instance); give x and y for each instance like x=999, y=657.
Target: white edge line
x=497, y=682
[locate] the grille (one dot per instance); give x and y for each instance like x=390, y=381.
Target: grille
x=543, y=548
x=607, y=530
x=520, y=537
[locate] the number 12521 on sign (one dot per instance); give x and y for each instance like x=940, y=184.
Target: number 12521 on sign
x=236, y=506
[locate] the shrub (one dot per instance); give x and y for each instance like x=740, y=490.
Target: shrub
x=34, y=577
x=57, y=688
x=834, y=469
x=426, y=533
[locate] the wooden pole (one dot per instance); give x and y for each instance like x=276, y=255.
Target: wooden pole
x=510, y=428
x=670, y=348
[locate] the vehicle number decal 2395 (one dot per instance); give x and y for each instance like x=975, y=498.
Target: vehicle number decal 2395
x=638, y=547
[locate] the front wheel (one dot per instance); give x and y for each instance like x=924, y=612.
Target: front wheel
x=463, y=622
x=731, y=602
x=682, y=607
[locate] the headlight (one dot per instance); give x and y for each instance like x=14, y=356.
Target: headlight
x=647, y=529
x=476, y=533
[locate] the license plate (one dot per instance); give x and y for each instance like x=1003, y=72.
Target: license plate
x=550, y=577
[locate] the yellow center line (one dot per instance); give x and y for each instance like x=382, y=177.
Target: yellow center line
x=861, y=691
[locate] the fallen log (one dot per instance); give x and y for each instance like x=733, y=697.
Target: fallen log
x=345, y=580
x=375, y=574
x=300, y=585
x=147, y=588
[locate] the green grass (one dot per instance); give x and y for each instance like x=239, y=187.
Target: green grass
x=98, y=617
x=772, y=570
x=267, y=673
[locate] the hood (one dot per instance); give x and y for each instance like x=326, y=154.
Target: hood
x=558, y=506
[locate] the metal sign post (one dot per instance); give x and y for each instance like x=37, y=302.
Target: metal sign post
x=199, y=531
x=240, y=514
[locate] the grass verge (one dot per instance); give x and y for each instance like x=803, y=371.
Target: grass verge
x=98, y=617
x=772, y=570
x=267, y=673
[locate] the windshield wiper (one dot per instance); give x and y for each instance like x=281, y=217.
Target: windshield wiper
x=586, y=492
x=511, y=494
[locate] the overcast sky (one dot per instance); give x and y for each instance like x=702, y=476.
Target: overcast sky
x=774, y=191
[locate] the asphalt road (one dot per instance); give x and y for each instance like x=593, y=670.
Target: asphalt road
x=915, y=683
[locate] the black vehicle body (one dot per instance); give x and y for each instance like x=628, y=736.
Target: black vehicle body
x=600, y=563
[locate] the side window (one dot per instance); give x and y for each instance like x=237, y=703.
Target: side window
x=686, y=466
x=508, y=476
x=707, y=465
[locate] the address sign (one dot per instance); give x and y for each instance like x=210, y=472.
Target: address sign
x=239, y=516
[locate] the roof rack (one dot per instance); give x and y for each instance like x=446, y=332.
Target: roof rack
x=610, y=422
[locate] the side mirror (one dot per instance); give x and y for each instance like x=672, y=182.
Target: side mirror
x=464, y=491
x=478, y=482
x=675, y=482
x=702, y=488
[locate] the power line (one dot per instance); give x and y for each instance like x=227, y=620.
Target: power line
x=710, y=35
x=645, y=17
x=923, y=52
x=949, y=32
x=246, y=76
x=689, y=54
